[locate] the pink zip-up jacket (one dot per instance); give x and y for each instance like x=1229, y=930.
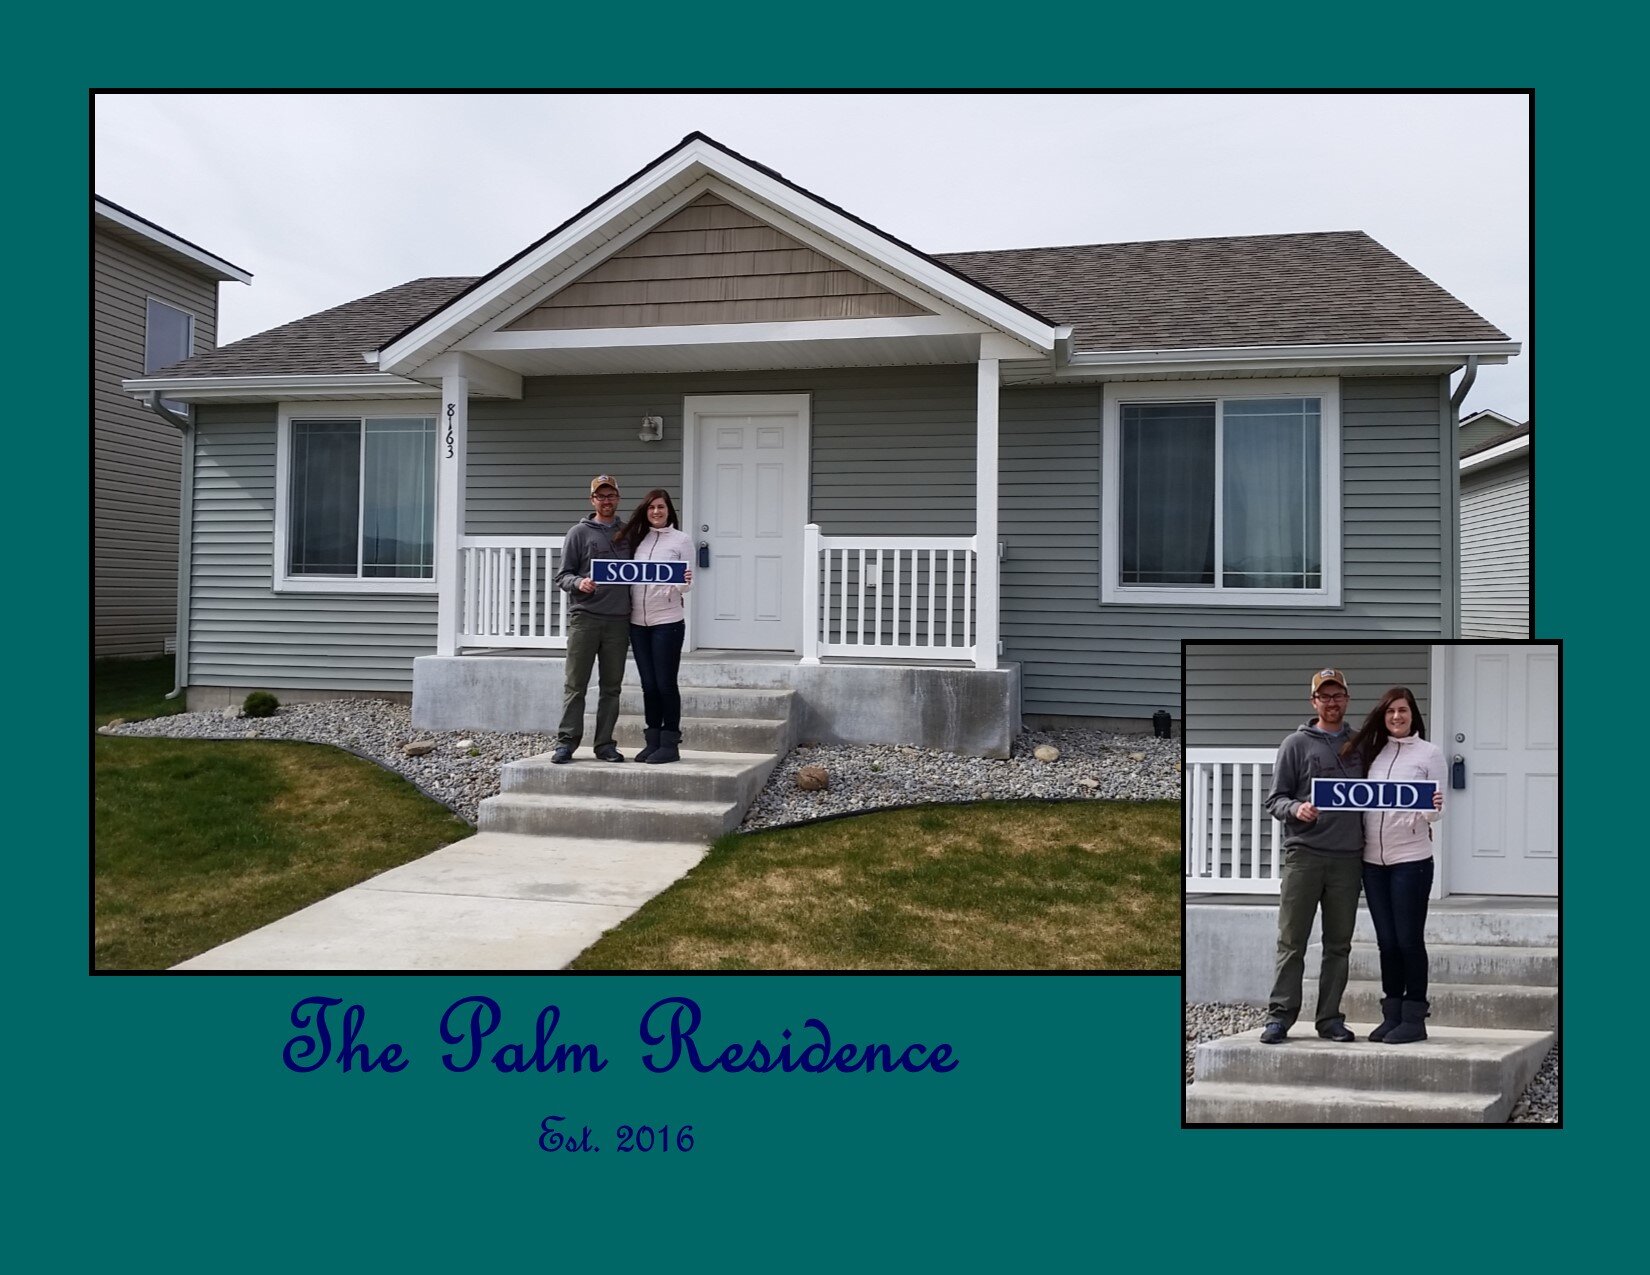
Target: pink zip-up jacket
x=652, y=604
x=1403, y=836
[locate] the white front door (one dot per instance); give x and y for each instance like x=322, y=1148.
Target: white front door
x=1502, y=829
x=747, y=507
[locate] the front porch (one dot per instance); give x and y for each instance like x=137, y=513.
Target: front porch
x=956, y=708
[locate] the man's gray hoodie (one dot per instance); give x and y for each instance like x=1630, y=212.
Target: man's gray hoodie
x=1308, y=754
x=587, y=541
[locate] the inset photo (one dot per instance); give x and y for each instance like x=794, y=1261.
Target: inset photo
x=1372, y=873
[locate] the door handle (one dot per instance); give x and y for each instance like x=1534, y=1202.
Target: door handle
x=704, y=554
x=1458, y=772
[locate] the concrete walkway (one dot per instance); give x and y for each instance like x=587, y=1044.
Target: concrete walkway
x=495, y=901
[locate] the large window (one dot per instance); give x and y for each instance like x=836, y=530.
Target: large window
x=1222, y=494
x=357, y=501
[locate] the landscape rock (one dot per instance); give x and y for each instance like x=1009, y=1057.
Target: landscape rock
x=813, y=779
x=232, y=713
x=1046, y=752
x=418, y=748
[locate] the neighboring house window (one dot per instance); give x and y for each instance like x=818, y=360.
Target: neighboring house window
x=1221, y=492
x=356, y=501
x=168, y=338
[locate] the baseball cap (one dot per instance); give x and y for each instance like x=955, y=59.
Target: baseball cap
x=603, y=480
x=1329, y=675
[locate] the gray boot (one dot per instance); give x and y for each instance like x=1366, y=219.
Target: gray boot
x=667, y=749
x=1414, y=1026
x=652, y=736
x=1390, y=1017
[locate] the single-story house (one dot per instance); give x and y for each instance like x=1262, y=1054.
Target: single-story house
x=154, y=301
x=1496, y=458
x=935, y=493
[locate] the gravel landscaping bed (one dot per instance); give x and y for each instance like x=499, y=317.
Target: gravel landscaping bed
x=461, y=767
x=1537, y=1105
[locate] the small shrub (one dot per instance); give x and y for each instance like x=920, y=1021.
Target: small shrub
x=260, y=704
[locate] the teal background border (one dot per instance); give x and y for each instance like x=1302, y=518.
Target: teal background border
x=154, y=1114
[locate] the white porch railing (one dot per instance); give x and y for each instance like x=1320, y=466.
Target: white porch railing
x=1232, y=845
x=889, y=597
x=507, y=595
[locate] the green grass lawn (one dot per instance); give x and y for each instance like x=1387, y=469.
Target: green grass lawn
x=989, y=885
x=200, y=841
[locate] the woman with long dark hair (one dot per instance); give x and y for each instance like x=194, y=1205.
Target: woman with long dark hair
x=1398, y=865
x=658, y=622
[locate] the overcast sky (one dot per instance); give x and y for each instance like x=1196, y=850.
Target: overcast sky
x=328, y=198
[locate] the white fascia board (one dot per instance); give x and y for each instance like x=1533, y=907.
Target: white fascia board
x=200, y=389
x=1482, y=412
x=1260, y=358
x=715, y=334
x=414, y=347
x=1504, y=451
x=182, y=247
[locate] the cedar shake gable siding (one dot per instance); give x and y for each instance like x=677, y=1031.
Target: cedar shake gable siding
x=713, y=263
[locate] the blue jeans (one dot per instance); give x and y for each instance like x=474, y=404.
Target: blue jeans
x=658, y=652
x=1397, y=898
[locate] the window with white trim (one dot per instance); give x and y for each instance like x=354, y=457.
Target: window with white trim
x=355, y=504
x=1221, y=492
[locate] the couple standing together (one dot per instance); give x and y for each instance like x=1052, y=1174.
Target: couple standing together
x=1328, y=855
x=606, y=620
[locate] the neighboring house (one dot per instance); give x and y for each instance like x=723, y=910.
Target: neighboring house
x=1492, y=707
x=1495, y=526
x=935, y=492
x=154, y=302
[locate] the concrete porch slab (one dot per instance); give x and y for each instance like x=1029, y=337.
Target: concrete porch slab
x=490, y=902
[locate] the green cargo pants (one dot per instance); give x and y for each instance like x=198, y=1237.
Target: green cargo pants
x=1310, y=879
x=603, y=641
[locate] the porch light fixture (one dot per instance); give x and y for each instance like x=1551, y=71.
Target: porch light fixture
x=653, y=429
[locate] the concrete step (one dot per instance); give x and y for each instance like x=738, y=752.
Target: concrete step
x=1507, y=1006
x=603, y=818
x=1231, y=1103
x=1490, y=925
x=757, y=703
x=1471, y=963
x=1450, y=1060
x=704, y=734
x=699, y=776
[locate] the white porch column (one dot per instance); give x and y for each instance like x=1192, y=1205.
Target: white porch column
x=452, y=447
x=985, y=517
x=810, y=594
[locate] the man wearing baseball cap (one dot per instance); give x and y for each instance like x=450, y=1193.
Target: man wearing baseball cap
x=598, y=625
x=1322, y=863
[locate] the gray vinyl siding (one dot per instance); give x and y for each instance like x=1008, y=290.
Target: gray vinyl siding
x=1495, y=552
x=135, y=455
x=893, y=453
x=243, y=633
x=1470, y=436
x=1080, y=658
x=1251, y=696
x=713, y=263
x=892, y=448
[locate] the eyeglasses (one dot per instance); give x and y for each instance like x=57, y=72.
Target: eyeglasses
x=599, y=496
x=1331, y=699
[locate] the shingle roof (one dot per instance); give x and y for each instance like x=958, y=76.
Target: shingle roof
x=328, y=342
x=1306, y=289
x=1301, y=289
x=1497, y=440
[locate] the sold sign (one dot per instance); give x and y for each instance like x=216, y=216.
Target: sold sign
x=627, y=571
x=1373, y=794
